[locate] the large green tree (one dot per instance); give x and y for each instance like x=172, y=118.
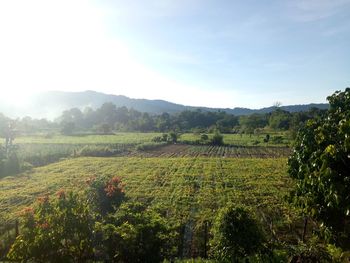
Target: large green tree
x=320, y=164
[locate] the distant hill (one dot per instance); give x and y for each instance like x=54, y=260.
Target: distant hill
x=51, y=104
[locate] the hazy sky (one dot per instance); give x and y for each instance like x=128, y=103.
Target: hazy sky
x=197, y=52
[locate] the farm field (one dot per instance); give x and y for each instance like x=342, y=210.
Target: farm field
x=40, y=150
x=179, y=150
x=245, y=139
x=188, y=190
x=137, y=138
x=122, y=137
x=187, y=182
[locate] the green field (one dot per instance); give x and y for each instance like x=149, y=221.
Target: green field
x=187, y=188
x=122, y=137
x=41, y=150
x=187, y=183
x=136, y=138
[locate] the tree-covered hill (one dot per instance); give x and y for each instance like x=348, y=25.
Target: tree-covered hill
x=50, y=105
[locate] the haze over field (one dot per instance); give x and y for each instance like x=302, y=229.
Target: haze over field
x=201, y=53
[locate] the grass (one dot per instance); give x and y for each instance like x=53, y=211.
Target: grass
x=122, y=137
x=138, y=138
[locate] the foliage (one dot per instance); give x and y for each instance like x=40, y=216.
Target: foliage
x=235, y=235
x=105, y=196
x=170, y=137
x=320, y=164
x=204, y=137
x=55, y=231
x=267, y=138
x=137, y=234
x=9, y=162
x=104, y=128
x=9, y=165
x=183, y=190
x=99, y=151
x=67, y=128
x=217, y=138
x=173, y=136
x=277, y=139
x=251, y=122
x=279, y=119
x=312, y=251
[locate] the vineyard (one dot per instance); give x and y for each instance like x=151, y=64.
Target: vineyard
x=215, y=151
x=187, y=182
x=189, y=191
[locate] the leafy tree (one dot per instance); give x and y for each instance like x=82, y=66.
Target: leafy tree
x=107, y=113
x=9, y=162
x=173, y=136
x=105, y=128
x=320, y=164
x=279, y=119
x=217, y=138
x=236, y=235
x=251, y=122
x=67, y=128
x=73, y=115
x=55, y=231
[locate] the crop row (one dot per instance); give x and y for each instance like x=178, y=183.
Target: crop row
x=189, y=191
x=218, y=151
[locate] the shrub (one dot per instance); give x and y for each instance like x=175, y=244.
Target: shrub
x=105, y=196
x=55, y=231
x=135, y=233
x=98, y=151
x=147, y=146
x=9, y=165
x=277, y=139
x=267, y=138
x=217, y=139
x=204, y=137
x=236, y=235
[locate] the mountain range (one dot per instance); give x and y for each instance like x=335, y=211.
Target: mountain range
x=50, y=105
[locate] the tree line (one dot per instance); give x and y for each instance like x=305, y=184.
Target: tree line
x=109, y=118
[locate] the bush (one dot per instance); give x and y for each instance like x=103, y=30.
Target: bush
x=55, y=231
x=10, y=165
x=105, y=196
x=135, y=233
x=67, y=128
x=236, y=235
x=204, y=137
x=277, y=139
x=267, y=138
x=98, y=151
x=167, y=137
x=217, y=139
x=147, y=146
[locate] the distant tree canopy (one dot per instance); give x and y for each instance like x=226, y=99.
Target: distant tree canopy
x=109, y=117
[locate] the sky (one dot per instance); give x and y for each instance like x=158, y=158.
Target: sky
x=215, y=53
